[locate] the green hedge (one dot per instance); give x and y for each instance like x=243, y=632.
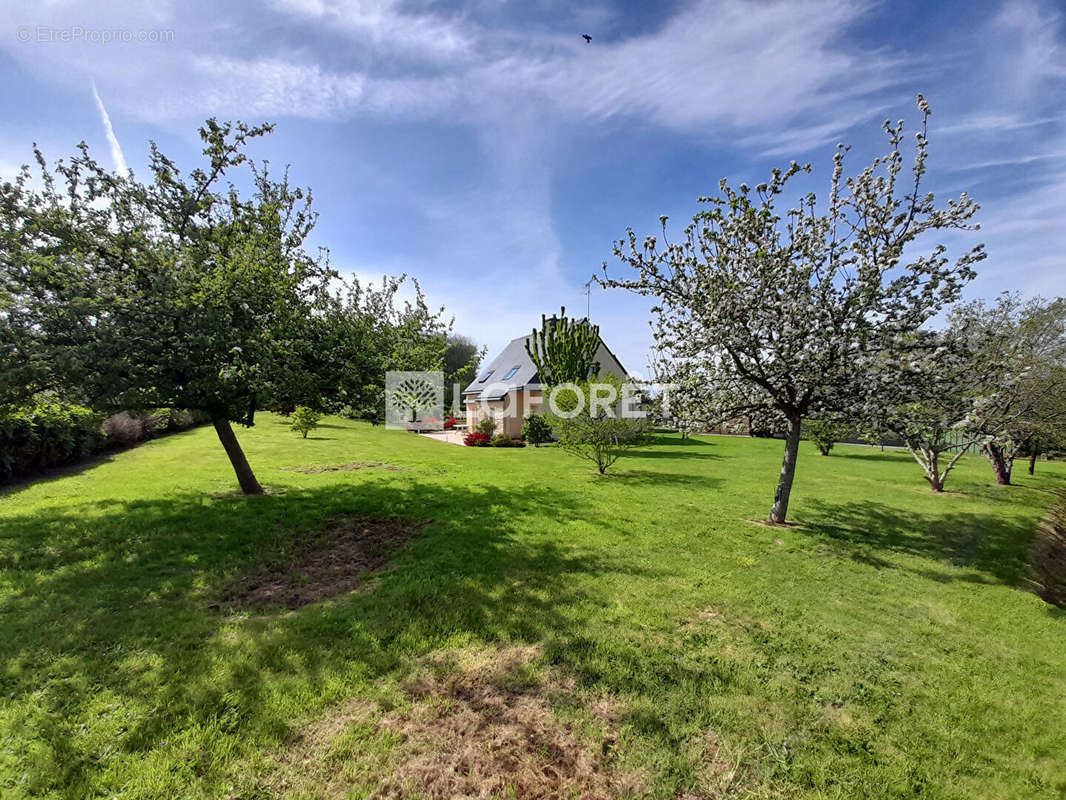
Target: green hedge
x=47, y=434
x=51, y=434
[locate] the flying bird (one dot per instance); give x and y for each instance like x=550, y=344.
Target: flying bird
x=587, y=38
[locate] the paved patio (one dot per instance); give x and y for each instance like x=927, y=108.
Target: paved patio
x=451, y=437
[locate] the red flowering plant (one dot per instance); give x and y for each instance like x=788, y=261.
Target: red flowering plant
x=449, y=422
x=477, y=439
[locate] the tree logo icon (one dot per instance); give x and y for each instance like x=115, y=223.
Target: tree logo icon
x=414, y=400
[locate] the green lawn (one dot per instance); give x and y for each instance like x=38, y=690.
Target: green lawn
x=883, y=648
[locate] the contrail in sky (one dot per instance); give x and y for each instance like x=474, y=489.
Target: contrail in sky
x=112, y=140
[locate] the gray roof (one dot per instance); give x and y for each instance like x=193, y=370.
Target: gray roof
x=493, y=383
x=490, y=383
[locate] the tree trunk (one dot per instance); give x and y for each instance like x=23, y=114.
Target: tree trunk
x=245, y=476
x=932, y=471
x=1000, y=461
x=788, y=472
x=1034, y=451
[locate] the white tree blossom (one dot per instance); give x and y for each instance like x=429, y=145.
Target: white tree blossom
x=1019, y=351
x=786, y=312
x=924, y=399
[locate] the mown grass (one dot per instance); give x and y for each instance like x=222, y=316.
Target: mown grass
x=885, y=647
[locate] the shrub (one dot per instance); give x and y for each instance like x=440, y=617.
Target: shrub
x=305, y=420
x=449, y=422
x=503, y=440
x=46, y=434
x=487, y=426
x=1047, y=555
x=477, y=439
x=536, y=430
x=603, y=437
x=125, y=430
x=180, y=419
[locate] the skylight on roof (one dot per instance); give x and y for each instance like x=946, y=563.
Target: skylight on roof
x=486, y=376
x=511, y=373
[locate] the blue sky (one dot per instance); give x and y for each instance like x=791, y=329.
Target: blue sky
x=488, y=150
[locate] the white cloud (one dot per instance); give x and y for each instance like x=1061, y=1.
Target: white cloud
x=736, y=65
x=992, y=124
x=384, y=24
x=774, y=77
x=1012, y=146
x=1039, y=54
x=1017, y=160
x=715, y=68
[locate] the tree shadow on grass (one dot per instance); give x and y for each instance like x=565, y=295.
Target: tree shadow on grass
x=51, y=474
x=643, y=477
x=995, y=547
x=640, y=452
x=116, y=595
x=874, y=454
x=287, y=422
x=664, y=440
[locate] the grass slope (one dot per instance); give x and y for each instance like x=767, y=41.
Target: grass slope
x=883, y=649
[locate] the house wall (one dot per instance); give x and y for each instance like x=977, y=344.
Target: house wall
x=509, y=412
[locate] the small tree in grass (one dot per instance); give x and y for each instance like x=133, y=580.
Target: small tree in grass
x=593, y=420
x=824, y=433
x=924, y=400
x=305, y=420
x=1018, y=360
x=785, y=312
x=536, y=430
x=1050, y=409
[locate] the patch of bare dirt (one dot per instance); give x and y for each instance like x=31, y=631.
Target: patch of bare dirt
x=721, y=768
x=316, y=469
x=471, y=723
x=703, y=615
x=332, y=563
x=481, y=729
